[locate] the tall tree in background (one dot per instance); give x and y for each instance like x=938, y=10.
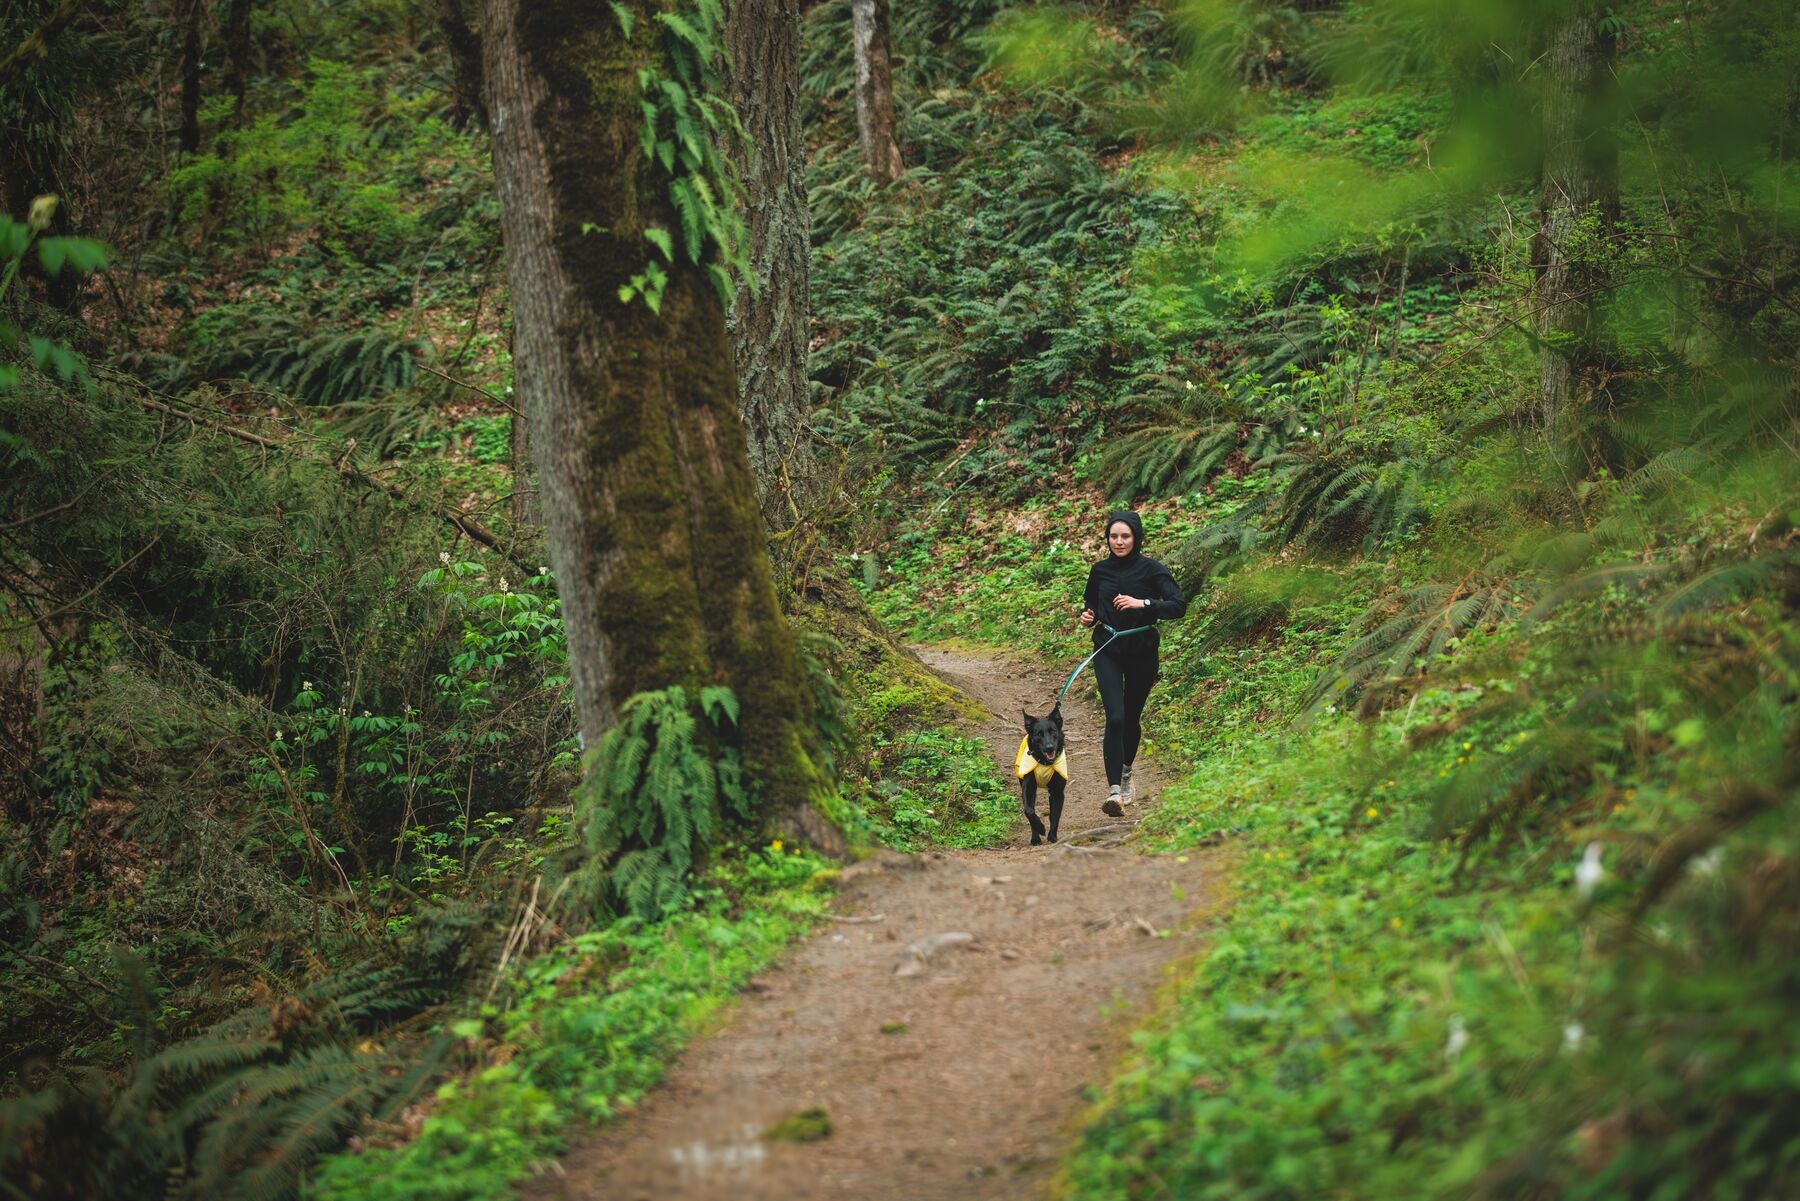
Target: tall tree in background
x=1577, y=207
x=875, y=90
x=193, y=45
x=625, y=372
x=464, y=45
x=237, y=54
x=768, y=324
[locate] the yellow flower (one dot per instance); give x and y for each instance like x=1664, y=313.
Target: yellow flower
x=776, y=846
x=1462, y=759
x=1373, y=813
x=1391, y=784
x=1397, y=924
x=1468, y=746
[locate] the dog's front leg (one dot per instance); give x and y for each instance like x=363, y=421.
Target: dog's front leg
x=1028, y=790
x=1057, y=784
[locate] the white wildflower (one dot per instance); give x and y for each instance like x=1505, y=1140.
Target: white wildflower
x=1572, y=1036
x=444, y=557
x=306, y=686
x=1459, y=1037
x=504, y=586
x=1589, y=872
x=278, y=736
x=1709, y=863
x=1190, y=384
x=543, y=570
x=366, y=713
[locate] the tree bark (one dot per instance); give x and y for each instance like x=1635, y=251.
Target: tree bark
x=1577, y=208
x=650, y=507
x=192, y=46
x=464, y=45
x=769, y=325
x=237, y=54
x=875, y=90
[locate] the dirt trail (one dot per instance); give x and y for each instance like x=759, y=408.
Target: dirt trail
x=962, y=1081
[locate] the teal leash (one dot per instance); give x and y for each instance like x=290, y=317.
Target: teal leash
x=1116, y=635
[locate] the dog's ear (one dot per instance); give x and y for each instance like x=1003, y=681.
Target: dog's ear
x=1028, y=719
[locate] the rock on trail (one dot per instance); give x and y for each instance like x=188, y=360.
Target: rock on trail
x=949, y=1043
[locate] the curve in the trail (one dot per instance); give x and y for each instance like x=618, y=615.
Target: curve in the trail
x=962, y=1078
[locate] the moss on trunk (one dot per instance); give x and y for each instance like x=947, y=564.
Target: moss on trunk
x=650, y=505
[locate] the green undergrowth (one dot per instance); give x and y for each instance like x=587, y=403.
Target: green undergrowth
x=909, y=774
x=584, y=1029
x=1413, y=993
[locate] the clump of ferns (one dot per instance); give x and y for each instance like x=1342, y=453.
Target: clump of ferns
x=245, y=1108
x=1194, y=432
x=1409, y=632
x=660, y=784
x=1345, y=495
x=326, y=368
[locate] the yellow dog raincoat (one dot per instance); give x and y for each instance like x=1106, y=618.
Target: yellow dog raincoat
x=1027, y=765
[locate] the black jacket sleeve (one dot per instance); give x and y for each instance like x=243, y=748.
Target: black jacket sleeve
x=1090, y=595
x=1169, y=601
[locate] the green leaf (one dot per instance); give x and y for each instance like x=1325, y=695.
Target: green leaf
x=678, y=25
x=626, y=18
x=659, y=238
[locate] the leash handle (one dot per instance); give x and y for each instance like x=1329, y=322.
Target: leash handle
x=1116, y=635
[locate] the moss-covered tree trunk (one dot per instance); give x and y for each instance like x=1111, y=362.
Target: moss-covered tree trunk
x=1577, y=208
x=768, y=325
x=650, y=508
x=875, y=90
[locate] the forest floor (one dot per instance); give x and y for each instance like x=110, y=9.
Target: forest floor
x=965, y=1079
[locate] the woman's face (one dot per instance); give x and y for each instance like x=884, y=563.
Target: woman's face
x=1119, y=538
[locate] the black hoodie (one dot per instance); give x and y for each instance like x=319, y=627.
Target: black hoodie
x=1136, y=576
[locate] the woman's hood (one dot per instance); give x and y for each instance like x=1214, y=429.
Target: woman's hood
x=1131, y=519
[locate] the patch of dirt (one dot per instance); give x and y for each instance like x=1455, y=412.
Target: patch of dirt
x=958, y=1071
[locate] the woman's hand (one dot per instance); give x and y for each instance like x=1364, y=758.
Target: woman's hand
x=1129, y=602
x=1086, y=618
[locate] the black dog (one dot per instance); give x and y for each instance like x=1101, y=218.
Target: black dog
x=1042, y=761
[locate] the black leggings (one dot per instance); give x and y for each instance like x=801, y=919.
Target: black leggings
x=1125, y=678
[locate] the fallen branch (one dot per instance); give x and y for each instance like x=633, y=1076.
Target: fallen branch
x=839, y=917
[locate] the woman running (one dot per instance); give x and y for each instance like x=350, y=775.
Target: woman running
x=1126, y=591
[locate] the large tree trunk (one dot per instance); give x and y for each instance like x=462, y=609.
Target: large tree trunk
x=649, y=504
x=1577, y=209
x=464, y=45
x=768, y=326
x=875, y=90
